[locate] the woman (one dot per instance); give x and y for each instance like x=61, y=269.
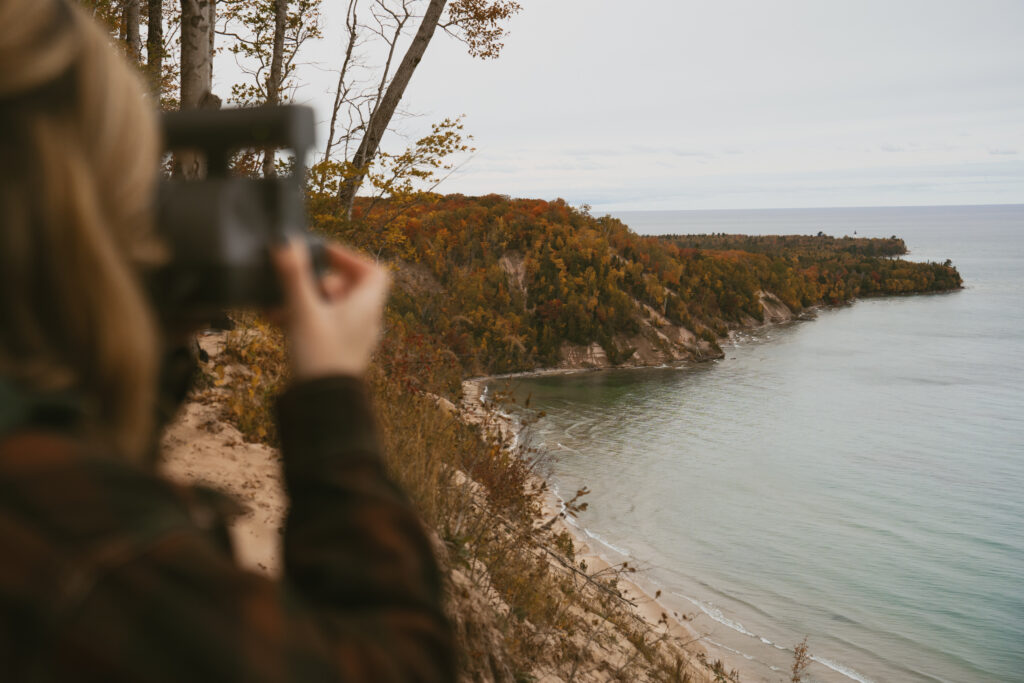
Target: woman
x=107, y=571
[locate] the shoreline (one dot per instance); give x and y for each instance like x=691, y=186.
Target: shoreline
x=646, y=601
x=654, y=601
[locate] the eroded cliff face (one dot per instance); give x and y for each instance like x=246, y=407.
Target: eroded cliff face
x=657, y=342
x=514, y=265
x=774, y=310
x=660, y=342
x=576, y=356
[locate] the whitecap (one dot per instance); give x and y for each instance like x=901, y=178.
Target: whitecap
x=607, y=544
x=717, y=615
x=734, y=651
x=842, y=669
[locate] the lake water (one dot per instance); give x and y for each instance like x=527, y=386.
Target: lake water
x=858, y=478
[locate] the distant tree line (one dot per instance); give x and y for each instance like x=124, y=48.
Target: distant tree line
x=809, y=245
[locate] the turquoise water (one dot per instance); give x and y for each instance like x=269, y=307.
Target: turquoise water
x=858, y=478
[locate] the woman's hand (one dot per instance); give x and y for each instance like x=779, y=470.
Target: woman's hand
x=332, y=326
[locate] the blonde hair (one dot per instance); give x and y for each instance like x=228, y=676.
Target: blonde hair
x=78, y=159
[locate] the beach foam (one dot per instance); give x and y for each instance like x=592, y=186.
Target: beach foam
x=607, y=544
x=842, y=669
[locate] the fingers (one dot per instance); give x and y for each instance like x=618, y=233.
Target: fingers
x=293, y=268
x=350, y=264
x=333, y=322
x=334, y=286
x=351, y=273
x=357, y=272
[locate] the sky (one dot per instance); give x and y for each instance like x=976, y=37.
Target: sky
x=731, y=104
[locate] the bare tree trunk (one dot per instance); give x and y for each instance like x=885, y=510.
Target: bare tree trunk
x=196, y=55
x=196, y=69
x=130, y=18
x=274, y=79
x=122, y=25
x=211, y=9
x=341, y=94
x=155, y=46
x=380, y=119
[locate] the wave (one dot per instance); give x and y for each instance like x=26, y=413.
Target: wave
x=716, y=615
x=569, y=519
x=732, y=650
x=842, y=669
x=607, y=544
x=707, y=608
x=574, y=425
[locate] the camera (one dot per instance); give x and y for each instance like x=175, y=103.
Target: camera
x=218, y=227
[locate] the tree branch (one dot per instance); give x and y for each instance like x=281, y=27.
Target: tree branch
x=381, y=116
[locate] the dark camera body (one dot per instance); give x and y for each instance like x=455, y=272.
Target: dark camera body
x=219, y=228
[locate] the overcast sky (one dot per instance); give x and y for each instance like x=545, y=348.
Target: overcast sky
x=684, y=104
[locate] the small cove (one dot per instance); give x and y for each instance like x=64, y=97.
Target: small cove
x=855, y=478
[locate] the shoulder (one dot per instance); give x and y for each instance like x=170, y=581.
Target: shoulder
x=64, y=508
x=69, y=518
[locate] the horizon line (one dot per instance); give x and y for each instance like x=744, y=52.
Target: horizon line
x=811, y=208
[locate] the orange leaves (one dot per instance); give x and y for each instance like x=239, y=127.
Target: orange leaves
x=549, y=310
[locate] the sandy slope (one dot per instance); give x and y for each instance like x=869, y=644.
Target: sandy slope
x=200, y=449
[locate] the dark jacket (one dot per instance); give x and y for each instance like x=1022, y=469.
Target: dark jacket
x=108, y=572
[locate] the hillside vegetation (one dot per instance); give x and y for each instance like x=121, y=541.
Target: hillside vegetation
x=491, y=284
x=499, y=285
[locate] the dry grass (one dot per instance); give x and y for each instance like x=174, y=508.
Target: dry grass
x=252, y=368
x=801, y=660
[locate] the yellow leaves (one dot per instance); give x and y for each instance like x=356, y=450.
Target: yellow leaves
x=422, y=165
x=256, y=352
x=324, y=177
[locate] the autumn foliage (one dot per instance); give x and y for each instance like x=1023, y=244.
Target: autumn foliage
x=489, y=284
x=494, y=284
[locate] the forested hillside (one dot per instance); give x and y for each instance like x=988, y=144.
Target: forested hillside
x=493, y=284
